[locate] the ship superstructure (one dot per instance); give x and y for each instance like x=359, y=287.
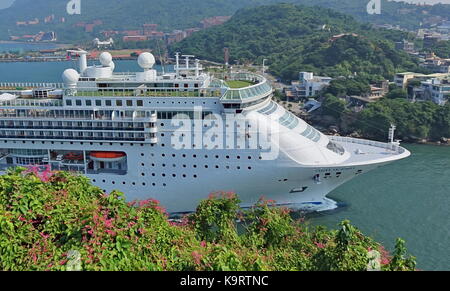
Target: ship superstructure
x=179, y=136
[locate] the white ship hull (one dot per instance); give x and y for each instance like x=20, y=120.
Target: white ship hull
x=179, y=137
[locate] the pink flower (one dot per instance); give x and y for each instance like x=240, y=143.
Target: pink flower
x=197, y=258
x=319, y=245
x=203, y=244
x=110, y=232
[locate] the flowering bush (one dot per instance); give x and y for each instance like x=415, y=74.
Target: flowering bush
x=60, y=221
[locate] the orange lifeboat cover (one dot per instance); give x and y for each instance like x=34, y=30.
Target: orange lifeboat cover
x=107, y=155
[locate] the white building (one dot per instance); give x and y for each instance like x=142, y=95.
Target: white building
x=106, y=43
x=309, y=85
x=436, y=90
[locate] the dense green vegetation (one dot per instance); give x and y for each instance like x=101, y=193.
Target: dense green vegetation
x=299, y=38
x=442, y=49
x=414, y=121
x=178, y=14
x=59, y=221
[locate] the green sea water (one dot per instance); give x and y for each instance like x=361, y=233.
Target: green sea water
x=408, y=199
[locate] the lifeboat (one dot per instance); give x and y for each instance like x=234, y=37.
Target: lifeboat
x=73, y=156
x=107, y=156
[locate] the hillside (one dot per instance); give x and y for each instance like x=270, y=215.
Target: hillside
x=178, y=14
x=299, y=38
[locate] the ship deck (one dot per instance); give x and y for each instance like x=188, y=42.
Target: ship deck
x=370, y=152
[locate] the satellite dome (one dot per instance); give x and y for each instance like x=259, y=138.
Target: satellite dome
x=146, y=61
x=70, y=77
x=112, y=65
x=105, y=59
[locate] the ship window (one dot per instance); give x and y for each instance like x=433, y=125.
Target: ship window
x=69, y=102
x=98, y=102
x=78, y=102
x=108, y=103
x=88, y=103
x=140, y=103
x=129, y=102
x=118, y=102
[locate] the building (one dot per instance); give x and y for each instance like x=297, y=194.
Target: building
x=405, y=45
x=129, y=38
x=436, y=90
x=149, y=28
x=401, y=79
x=107, y=43
x=436, y=64
x=309, y=85
x=430, y=39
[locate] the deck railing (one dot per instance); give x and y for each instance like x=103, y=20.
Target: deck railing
x=387, y=146
x=23, y=86
x=144, y=92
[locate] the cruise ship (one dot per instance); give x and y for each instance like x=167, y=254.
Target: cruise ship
x=179, y=136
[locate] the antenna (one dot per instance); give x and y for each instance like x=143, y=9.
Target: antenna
x=177, y=67
x=392, y=133
x=161, y=58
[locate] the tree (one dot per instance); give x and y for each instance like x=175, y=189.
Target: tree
x=397, y=94
x=59, y=221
